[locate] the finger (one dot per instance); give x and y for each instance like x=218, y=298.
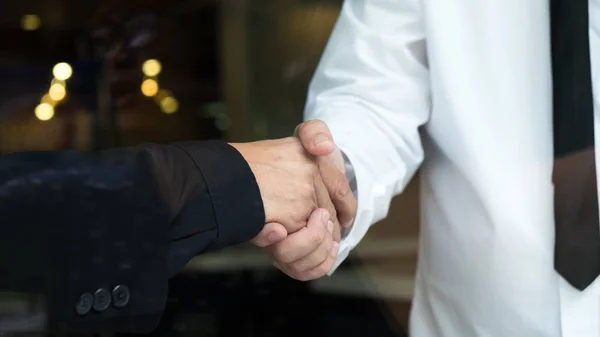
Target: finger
x=339, y=191
x=315, y=258
x=322, y=269
x=304, y=241
x=270, y=234
x=324, y=201
x=315, y=137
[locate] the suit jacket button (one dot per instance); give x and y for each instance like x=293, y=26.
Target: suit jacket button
x=101, y=300
x=121, y=296
x=84, y=304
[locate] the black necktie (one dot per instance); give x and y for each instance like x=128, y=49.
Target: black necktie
x=577, y=251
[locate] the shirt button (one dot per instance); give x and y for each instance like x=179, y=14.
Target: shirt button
x=121, y=296
x=101, y=300
x=84, y=304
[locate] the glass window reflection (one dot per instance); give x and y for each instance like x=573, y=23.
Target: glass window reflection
x=93, y=75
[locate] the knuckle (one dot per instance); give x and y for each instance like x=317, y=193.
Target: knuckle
x=307, y=197
x=297, y=147
x=303, y=212
x=281, y=255
x=296, y=268
x=286, y=258
x=307, y=190
x=323, y=269
x=292, y=148
x=318, y=237
x=298, y=221
x=323, y=258
x=341, y=190
x=301, y=188
x=291, y=273
x=333, y=214
x=301, y=127
x=303, y=204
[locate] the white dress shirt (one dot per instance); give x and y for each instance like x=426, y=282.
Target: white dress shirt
x=475, y=78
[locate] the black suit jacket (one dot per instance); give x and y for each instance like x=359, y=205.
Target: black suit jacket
x=99, y=235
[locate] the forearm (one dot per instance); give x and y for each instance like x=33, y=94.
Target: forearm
x=225, y=203
x=371, y=89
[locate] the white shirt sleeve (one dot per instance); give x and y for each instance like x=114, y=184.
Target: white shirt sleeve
x=371, y=88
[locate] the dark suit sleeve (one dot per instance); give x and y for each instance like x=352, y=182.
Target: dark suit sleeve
x=99, y=235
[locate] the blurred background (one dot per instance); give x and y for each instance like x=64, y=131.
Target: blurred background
x=97, y=74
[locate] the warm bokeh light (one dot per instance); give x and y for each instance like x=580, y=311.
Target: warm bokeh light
x=151, y=68
x=169, y=105
x=30, y=22
x=44, y=112
x=57, y=92
x=149, y=87
x=62, y=71
x=48, y=100
x=57, y=81
x=162, y=94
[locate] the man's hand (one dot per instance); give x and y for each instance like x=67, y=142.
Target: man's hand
x=317, y=140
x=290, y=185
x=292, y=253
x=309, y=253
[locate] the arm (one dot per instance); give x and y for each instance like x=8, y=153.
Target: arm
x=72, y=224
x=371, y=88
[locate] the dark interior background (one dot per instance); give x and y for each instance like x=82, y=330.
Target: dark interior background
x=238, y=70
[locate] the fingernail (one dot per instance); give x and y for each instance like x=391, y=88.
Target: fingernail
x=325, y=216
x=273, y=236
x=330, y=227
x=320, y=139
x=334, y=250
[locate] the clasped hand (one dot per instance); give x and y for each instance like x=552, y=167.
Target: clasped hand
x=306, y=196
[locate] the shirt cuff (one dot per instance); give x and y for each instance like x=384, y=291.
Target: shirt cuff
x=345, y=247
x=351, y=177
x=235, y=195
x=360, y=186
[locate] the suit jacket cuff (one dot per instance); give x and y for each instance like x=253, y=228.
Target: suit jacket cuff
x=235, y=195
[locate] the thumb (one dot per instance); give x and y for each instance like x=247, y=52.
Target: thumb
x=273, y=232
x=315, y=137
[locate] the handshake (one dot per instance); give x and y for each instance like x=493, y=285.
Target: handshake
x=306, y=196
